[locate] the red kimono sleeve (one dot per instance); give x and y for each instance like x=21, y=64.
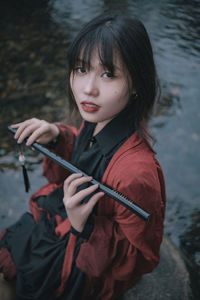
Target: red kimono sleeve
x=52, y=171
x=122, y=246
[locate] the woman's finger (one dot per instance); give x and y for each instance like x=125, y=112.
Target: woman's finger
x=23, y=125
x=72, y=188
x=69, y=179
x=16, y=125
x=20, y=129
x=77, y=198
x=88, y=207
x=72, y=180
x=38, y=132
x=27, y=132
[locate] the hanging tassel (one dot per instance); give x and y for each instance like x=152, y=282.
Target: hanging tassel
x=25, y=173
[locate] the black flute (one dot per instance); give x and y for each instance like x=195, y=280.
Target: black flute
x=107, y=190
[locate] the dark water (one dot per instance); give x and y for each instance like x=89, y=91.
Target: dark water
x=34, y=38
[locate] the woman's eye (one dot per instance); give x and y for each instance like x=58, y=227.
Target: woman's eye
x=108, y=75
x=80, y=70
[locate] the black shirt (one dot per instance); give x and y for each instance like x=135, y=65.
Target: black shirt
x=95, y=159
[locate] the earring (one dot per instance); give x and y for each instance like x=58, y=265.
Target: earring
x=22, y=160
x=135, y=96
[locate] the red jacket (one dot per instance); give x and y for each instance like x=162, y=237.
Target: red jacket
x=122, y=247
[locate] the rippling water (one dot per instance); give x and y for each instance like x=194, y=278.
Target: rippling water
x=34, y=38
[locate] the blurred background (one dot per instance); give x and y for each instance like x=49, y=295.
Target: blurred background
x=34, y=38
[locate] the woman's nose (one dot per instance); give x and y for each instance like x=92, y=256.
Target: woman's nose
x=91, y=87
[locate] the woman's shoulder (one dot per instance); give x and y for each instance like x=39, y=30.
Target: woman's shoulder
x=135, y=168
x=136, y=173
x=134, y=156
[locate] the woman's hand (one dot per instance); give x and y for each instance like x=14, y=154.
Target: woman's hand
x=78, y=212
x=37, y=130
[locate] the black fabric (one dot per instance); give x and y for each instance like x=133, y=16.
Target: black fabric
x=36, y=250
x=95, y=159
x=38, y=254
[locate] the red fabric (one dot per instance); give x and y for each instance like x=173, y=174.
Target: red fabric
x=63, y=228
x=6, y=262
x=56, y=175
x=2, y=233
x=44, y=191
x=122, y=246
x=52, y=171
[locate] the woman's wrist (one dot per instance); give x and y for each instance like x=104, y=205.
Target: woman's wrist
x=55, y=135
x=87, y=230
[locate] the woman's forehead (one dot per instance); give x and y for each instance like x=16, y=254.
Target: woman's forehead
x=96, y=56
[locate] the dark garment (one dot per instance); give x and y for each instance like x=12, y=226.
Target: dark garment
x=95, y=159
x=36, y=250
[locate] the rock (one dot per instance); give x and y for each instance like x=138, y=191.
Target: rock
x=170, y=280
x=7, y=289
x=190, y=246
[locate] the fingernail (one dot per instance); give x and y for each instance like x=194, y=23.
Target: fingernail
x=28, y=143
x=79, y=174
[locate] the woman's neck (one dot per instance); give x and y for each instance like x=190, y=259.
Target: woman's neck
x=100, y=126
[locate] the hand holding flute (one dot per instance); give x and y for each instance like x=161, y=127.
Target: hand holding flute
x=35, y=130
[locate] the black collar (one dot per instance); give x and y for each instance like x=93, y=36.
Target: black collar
x=115, y=132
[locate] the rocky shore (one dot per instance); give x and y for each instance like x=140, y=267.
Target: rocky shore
x=169, y=281
x=190, y=248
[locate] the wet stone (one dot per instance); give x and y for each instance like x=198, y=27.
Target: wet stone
x=190, y=245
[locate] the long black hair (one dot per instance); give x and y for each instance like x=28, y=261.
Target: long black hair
x=127, y=36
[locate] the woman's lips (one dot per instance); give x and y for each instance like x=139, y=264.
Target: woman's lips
x=89, y=106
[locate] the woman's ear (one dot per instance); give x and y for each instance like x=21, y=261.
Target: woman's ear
x=134, y=90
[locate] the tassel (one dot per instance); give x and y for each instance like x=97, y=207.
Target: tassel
x=24, y=171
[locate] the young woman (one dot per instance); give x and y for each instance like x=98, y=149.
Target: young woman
x=78, y=243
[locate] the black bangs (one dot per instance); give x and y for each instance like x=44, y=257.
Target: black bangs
x=101, y=40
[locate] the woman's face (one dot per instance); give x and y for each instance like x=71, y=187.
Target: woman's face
x=100, y=95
